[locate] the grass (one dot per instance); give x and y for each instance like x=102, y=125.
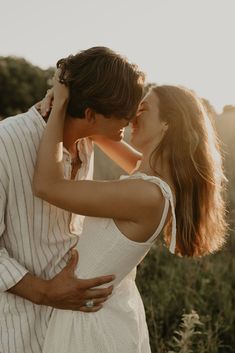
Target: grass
x=176, y=289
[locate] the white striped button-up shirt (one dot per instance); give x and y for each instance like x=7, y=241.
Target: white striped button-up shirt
x=35, y=236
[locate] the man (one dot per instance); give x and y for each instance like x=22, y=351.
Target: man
x=36, y=271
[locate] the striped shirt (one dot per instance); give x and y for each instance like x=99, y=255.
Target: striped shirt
x=35, y=236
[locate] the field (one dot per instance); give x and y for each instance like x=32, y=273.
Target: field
x=190, y=304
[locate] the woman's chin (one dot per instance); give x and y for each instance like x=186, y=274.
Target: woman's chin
x=133, y=142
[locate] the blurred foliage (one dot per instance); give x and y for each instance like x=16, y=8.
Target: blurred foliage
x=21, y=85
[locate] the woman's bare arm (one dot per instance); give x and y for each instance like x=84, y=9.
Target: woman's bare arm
x=117, y=199
x=119, y=151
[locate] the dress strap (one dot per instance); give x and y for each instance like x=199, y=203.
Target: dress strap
x=162, y=221
x=167, y=193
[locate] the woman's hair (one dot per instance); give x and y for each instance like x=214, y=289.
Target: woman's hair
x=196, y=167
x=102, y=80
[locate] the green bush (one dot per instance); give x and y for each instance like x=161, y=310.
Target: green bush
x=21, y=85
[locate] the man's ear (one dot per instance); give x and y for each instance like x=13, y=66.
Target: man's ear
x=90, y=115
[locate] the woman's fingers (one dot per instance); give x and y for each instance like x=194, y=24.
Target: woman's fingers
x=60, y=89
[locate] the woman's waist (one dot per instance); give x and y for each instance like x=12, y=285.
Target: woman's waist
x=123, y=302
x=110, y=258
x=122, y=276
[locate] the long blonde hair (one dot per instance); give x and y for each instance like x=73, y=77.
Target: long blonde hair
x=196, y=168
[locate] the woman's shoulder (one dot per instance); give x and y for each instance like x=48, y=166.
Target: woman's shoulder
x=148, y=197
x=149, y=200
x=149, y=182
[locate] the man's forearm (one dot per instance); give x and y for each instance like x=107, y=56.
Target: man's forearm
x=31, y=288
x=65, y=290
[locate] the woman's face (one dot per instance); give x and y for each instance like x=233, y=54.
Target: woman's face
x=147, y=128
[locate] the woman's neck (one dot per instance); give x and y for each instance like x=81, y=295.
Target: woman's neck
x=159, y=167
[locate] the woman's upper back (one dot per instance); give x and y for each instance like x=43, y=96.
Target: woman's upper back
x=105, y=249
x=151, y=210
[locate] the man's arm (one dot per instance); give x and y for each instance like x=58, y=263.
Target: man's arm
x=64, y=291
x=119, y=151
x=11, y=272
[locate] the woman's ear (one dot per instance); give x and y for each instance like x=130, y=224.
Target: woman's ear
x=165, y=126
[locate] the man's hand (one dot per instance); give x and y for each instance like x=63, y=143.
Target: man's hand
x=65, y=291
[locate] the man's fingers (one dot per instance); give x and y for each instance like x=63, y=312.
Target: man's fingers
x=97, y=302
x=46, y=103
x=95, y=282
x=38, y=105
x=49, y=93
x=90, y=310
x=98, y=293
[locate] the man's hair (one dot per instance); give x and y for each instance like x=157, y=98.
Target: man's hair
x=100, y=79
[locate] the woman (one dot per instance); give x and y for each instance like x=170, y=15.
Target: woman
x=180, y=165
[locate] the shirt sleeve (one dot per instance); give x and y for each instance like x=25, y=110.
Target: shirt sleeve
x=11, y=271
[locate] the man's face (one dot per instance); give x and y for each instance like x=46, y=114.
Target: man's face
x=111, y=127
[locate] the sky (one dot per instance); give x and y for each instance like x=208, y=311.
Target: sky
x=187, y=42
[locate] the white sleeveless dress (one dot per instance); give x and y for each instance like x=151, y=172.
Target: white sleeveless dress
x=120, y=326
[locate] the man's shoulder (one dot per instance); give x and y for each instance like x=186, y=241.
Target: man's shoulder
x=22, y=123
x=30, y=116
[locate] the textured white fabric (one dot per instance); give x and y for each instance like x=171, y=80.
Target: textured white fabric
x=168, y=195
x=34, y=236
x=120, y=327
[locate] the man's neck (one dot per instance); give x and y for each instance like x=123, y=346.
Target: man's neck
x=74, y=129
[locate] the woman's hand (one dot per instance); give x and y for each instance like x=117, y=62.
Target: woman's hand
x=60, y=90
x=62, y=95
